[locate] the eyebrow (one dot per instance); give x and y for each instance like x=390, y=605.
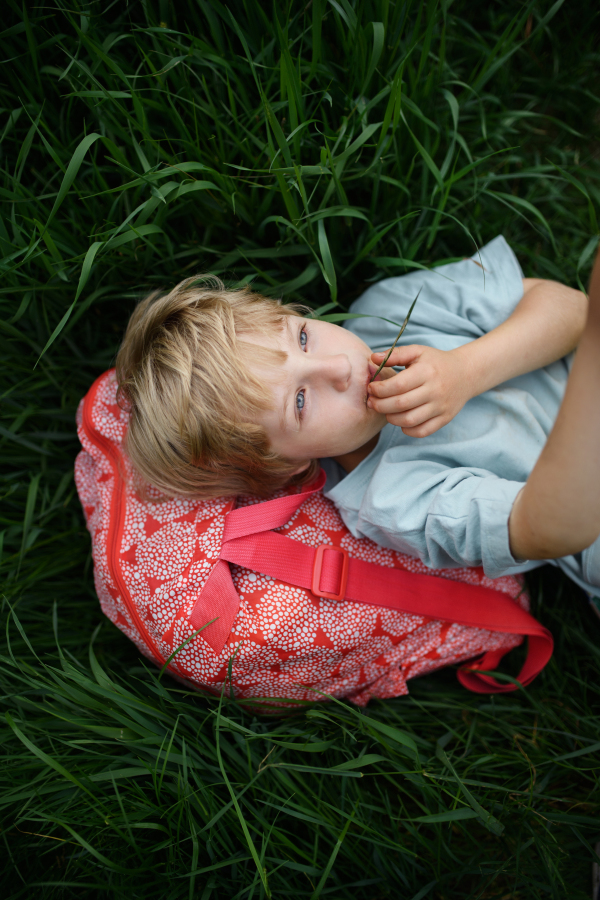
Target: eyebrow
x=283, y=419
x=285, y=405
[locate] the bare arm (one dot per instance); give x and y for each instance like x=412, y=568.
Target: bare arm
x=545, y=325
x=558, y=511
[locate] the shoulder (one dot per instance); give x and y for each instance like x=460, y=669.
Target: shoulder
x=462, y=300
x=491, y=266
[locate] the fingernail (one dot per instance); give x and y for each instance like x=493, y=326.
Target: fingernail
x=369, y=403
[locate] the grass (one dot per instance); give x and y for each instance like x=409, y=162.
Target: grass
x=310, y=149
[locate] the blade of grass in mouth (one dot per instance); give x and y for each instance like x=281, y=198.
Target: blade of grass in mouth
x=400, y=333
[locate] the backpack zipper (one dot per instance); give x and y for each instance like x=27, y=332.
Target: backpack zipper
x=117, y=518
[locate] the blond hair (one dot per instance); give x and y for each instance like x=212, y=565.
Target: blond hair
x=184, y=375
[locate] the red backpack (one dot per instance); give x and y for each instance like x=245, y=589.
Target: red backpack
x=279, y=592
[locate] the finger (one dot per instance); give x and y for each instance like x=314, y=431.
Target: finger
x=426, y=428
x=400, y=356
x=402, y=403
x=413, y=418
x=404, y=381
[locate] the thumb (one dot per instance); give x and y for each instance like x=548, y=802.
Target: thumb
x=400, y=356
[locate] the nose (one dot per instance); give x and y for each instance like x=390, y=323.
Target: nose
x=334, y=370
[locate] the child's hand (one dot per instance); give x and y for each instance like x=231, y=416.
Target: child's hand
x=423, y=398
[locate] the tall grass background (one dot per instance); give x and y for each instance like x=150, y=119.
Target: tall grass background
x=310, y=148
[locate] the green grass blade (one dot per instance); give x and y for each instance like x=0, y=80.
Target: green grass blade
x=328, y=264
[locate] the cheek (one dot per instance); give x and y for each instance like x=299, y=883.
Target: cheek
x=347, y=420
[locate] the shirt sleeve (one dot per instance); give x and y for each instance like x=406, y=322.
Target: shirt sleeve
x=448, y=517
x=458, y=302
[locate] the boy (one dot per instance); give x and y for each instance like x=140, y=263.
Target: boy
x=231, y=392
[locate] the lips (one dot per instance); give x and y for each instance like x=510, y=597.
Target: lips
x=372, y=370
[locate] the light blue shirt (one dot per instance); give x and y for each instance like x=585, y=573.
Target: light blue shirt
x=446, y=498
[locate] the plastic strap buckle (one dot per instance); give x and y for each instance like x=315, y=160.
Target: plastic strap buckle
x=318, y=567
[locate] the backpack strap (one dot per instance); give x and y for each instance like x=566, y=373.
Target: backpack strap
x=249, y=541
x=218, y=598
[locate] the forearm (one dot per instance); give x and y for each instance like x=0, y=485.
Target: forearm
x=435, y=384
x=558, y=511
x=546, y=325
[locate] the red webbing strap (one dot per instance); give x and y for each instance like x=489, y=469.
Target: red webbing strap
x=219, y=599
x=424, y=595
x=267, y=515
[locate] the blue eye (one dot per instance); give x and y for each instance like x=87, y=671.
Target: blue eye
x=303, y=337
x=300, y=401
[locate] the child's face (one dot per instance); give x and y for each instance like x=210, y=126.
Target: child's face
x=320, y=393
